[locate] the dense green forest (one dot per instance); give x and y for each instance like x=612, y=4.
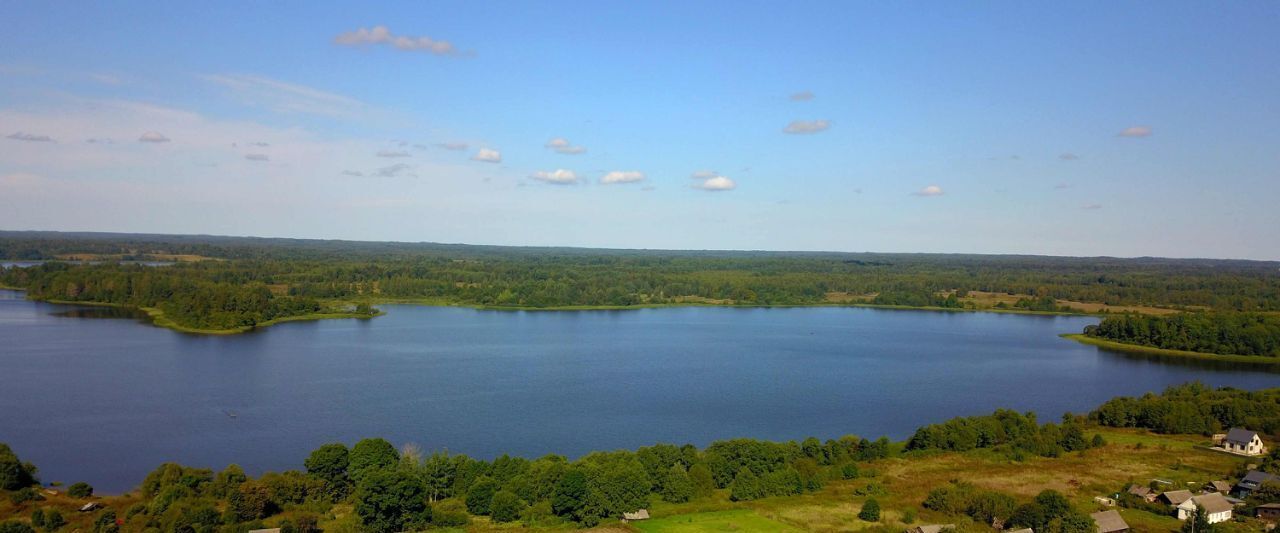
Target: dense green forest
x=251, y=280
x=1218, y=332
x=1194, y=409
x=402, y=490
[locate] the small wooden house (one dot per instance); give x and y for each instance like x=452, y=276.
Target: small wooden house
x=1110, y=522
x=1244, y=442
x=1268, y=511
x=642, y=514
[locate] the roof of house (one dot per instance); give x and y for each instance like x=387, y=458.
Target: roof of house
x=1220, y=486
x=1255, y=478
x=1240, y=436
x=1139, y=490
x=1269, y=506
x=1213, y=503
x=933, y=528
x=642, y=514
x=1175, y=497
x=90, y=506
x=1109, y=521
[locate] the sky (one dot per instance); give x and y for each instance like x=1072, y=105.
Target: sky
x=1074, y=128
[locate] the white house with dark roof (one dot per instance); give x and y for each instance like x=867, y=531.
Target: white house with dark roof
x=1215, y=505
x=1244, y=442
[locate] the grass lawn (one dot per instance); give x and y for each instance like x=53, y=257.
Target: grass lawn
x=735, y=520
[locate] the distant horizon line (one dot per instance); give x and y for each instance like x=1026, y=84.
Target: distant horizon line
x=627, y=249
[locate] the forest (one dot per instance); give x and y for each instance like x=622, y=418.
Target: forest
x=236, y=281
x=390, y=489
x=1215, y=332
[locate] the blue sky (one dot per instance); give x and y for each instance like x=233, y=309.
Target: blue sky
x=1086, y=128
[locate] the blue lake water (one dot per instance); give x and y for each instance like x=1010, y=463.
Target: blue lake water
x=105, y=401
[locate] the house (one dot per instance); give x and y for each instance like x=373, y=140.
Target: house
x=1145, y=493
x=1214, y=504
x=1243, y=442
x=1268, y=511
x=1217, y=486
x=642, y=514
x=1105, y=501
x=1251, y=481
x=89, y=507
x=1109, y=522
x=932, y=528
x=1175, y=498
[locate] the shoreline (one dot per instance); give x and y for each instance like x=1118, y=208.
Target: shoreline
x=1151, y=350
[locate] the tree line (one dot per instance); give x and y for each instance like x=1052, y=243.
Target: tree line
x=1218, y=332
x=1194, y=409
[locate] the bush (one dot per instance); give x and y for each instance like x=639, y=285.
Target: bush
x=14, y=526
x=909, y=515
x=849, y=471
x=449, y=513
x=505, y=507
x=23, y=495
x=870, y=511
x=80, y=490
x=745, y=487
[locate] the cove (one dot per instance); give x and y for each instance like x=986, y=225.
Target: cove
x=105, y=397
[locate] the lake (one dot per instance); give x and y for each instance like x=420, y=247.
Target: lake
x=100, y=396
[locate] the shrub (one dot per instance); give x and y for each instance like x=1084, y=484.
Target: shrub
x=870, y=511
x=80, y=490
x=14, y=526
x=505, y=506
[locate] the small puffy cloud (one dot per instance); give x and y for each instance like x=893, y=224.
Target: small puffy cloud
x=488, y=156
x=1068, y=156
x=1062, y=186
x=455, y=146
x=381, y=35
x=257, y=157
x=1135, y=131
x=622, y=176
x=1092, y=207
x=713, y=181
x=260, y=144
x=31, y=137
x=802, y=96
x=153, y=137
x=562, y=146
x=393, y=153
x=558, y=176
x=807, y=126
x=931, y=190
x=352, y=173
x=99, y=141
x=398, y=169
x=718, y=183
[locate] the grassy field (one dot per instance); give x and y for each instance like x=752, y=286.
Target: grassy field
x=735, y=520
x=1136, y=348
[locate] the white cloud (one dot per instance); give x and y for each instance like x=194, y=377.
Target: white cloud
x=713, y=182
x=802, y=96
x=352, y=173
x=931, y=190
x=1136, y=131
x=29, y=137
x=1062, y=186
x=455, y=146
x=488, y=156
x=260, y=144
x=559, y=176
x=562, y=146
x=1068, y=156
x=393, y=153
x=257, y=157
x=153, y=137
x=1092, y=207
x=283, y=97
x=381, y=35
x=622, y=176
x=807, y=126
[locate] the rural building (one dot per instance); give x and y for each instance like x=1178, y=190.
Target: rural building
x=1142, y=492
x=932, y=528
x=642, y=514
x=1217, y=486
x=1243, y=442
x=1251, y=481
x=1214, y=504
x=89, y=507
x=1268, y=511
x=1109, y=522
x=1175, y=498
x=272, y=530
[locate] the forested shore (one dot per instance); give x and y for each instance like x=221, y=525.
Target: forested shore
x=1247, y=334
x=228, y=283
x=373, y=486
